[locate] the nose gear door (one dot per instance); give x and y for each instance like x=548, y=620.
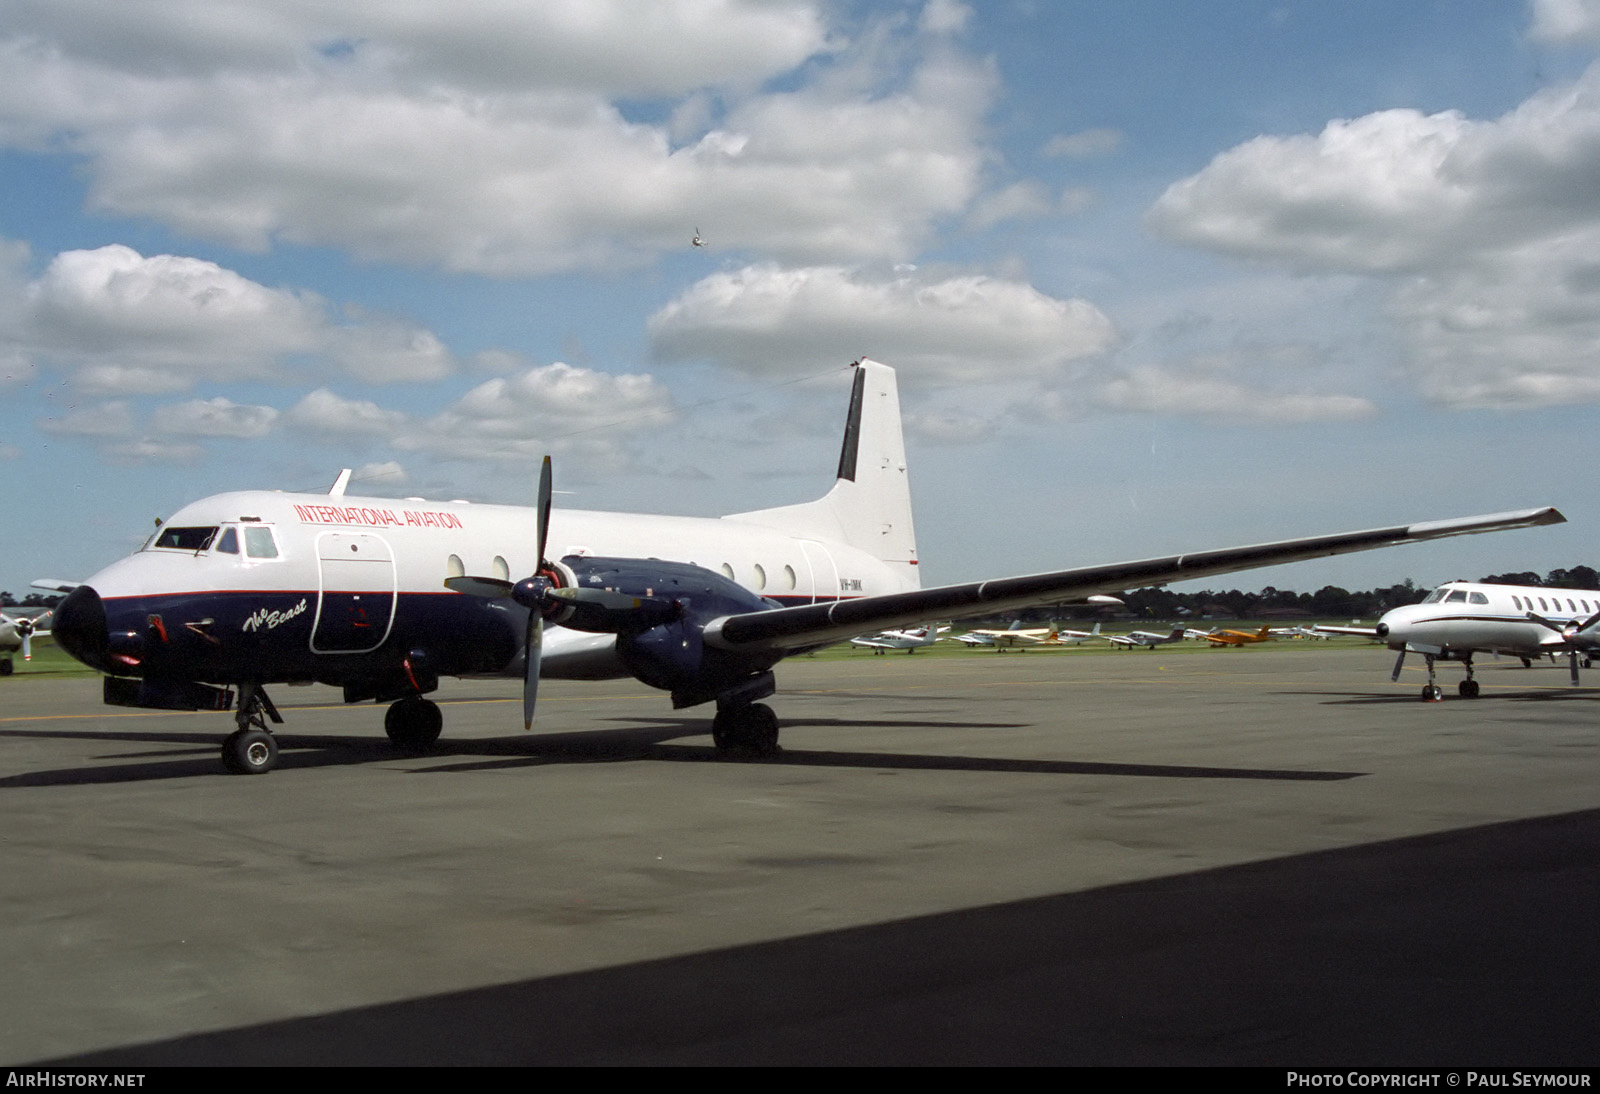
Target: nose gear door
x=356, y=593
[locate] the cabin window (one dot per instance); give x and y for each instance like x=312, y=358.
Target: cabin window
x=789, y=581
x=1543, y=607
x=1478, y=598
x=258, y=543
x=1459, y=596
x=1571, y=607
x=727, y=571
x=761, y=576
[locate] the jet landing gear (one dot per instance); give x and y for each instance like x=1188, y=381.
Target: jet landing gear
x=251, y=749
x=413, y=723
x=749, y=728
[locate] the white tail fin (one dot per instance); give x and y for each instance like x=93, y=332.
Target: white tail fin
x=869, y=507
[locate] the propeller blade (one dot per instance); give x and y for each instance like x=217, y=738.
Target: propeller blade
x=530, y=681
x=1572, y=666
x=544, y=510
x=533, y=644
x=491, y=587
x=27, y=645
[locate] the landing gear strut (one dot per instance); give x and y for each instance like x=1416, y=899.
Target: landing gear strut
x=413, y=722
x=1468, y=688
x=251, y=749
x=752, y=727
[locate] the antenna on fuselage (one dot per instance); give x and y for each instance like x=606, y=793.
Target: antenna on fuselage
x=337, y=489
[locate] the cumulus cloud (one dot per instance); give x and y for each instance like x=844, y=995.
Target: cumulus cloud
x=1566, y=22
x=505, y=138
x=323, y=413
x=1193, y=394
x=156, y=324
x=1020, y=201
x=552, y=408
x=1485, y=229
x=767, y=319
x=125, y=324
x=213, y=418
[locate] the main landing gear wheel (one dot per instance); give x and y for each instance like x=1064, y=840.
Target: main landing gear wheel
x=249, y=752
x=413, y=723
x=5, y=666
x=751, y=728
x=1432, y=693
x=1468, y=689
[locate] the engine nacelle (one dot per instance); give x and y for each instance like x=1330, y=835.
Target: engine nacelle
x=659, y=639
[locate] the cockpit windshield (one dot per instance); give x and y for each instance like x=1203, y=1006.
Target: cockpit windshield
x=185, y=539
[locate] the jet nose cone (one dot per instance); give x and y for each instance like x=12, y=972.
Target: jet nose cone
x=80, y=627
x=1383, y=630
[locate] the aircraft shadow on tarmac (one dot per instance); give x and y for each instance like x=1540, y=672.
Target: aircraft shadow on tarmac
x=1464, y=948
x=656, y=740
x=1409, y=697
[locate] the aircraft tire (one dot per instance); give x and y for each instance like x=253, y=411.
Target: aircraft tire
x=250, y=752
x=761, y=728
x=413, y=723
x=1468, y=689
x=752, y=728
x=5, y=667
x=1432, y=693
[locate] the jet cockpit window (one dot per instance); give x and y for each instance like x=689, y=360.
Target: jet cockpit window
x=1457, y=596
x=186, y=539
x=258, y=542
x=1436, y=596
x=229, y=543
x=1477, y=598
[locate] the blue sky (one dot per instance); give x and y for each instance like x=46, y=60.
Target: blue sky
x=1156, y=277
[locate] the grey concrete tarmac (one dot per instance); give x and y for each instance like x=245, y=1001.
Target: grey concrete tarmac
x=1262, y=856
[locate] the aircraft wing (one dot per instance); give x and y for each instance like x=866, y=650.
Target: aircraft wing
x=824, y=624
x=1364, y=632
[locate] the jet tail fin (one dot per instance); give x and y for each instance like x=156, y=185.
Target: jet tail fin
x=869, y=507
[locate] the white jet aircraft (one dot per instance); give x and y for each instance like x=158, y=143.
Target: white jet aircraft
x=1461, y=618
x=241, y=591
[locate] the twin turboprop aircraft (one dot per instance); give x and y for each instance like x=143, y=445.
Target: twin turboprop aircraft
x=1460, y=619
x=382, y=598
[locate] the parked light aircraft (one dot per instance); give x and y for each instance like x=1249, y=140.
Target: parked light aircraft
x=908, y=640
x=1239, y=638
x=383, y=597
x=1077, y=638
x=17, y=633
x=1148, y=639
x=1014, y=639
x=1460, y=619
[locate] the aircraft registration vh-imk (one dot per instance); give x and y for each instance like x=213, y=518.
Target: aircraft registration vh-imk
x=382, y=597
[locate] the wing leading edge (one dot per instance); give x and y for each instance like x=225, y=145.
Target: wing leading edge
x=822, y=624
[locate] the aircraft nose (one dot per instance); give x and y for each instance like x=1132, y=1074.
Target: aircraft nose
x=80, y=627
x=1383, y=629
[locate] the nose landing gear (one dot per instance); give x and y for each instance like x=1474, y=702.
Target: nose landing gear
x=251, y=749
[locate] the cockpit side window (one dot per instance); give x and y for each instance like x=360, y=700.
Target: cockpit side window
x=1457, y=596
x=229, y=543
x=186, y=539
x=1477, y=598
x=258, y=542
x=1436, y=596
